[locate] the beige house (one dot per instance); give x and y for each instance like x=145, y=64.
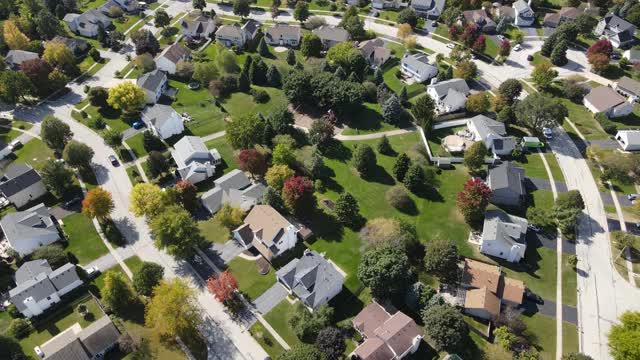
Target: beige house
x=604, y=99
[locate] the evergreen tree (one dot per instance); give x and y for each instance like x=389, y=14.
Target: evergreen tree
x=401, y=166
x=298, y=66
x=414, y=180
x=548, y=45
x=384, y=147
x=274, y=78
x=449, y=73
x=378, y=76
x=291, y=57
x=559, y=54
x=244, y=85
x=392, y=110
x=247, y=64
x=353, y=77
x=346, y=209
x=403, y=95
x=263, y=49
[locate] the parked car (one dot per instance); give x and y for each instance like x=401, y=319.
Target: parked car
x=113, y=160
x=517, y=47
x=138, y=125
x=533, y=297
x=533, y=228
x=15, y=144
x=434, y=23
x=92, y=272
x=547, y=133
x=632, y=197
x=450, y=45
x=616, y=56
x=38, y=352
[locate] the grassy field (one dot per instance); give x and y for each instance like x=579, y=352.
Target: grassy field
x=213, y=231
x=226, y=152
x=539, y=329
x=556, y=172
x=278, y=318
x=396, y=84
x=533, y=166
x=83, y=239
x=207, y=118
x=134, y=263
x=570, y=341
x=266, y=340
x=137, y=145
x=569, y=282
x=250, y=282
x=34, y=153
x=367, y=119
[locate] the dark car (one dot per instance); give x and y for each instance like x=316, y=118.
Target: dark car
x=113, y=160
x=616, y=56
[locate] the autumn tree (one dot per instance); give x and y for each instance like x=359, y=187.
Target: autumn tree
x=187, y=194
x=599, y=62
x=478, y=103
x=98, y=203
x=229, y=216
x=252, y=161
x=466, y=69
x=543, y=75
x=173, y=309
x=277, y=175
x=505, y=48
x=116, y=292
x=298, y=196
x=13, y=37
x=223, y=287
x=58, y=55
x=473, y=200
x=404, y=30
x=126, y=96
x=146, y=200
x=38, y=72
x=175, y=231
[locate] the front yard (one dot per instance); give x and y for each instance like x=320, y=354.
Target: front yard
x=83, y=239
x=250, y=282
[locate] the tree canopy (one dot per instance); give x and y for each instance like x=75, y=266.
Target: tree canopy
x=173, y=309
x=147, y=277
x=446, y=327
x=537, y=111
x=385, y=270
x=175, y=230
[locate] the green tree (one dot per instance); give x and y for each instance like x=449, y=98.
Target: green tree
x=157, y=163
x=383, y=146
x=466, y=69
x=478, y=103
x=301, y=11
x=321, y=132
x=55, y=133
x=116, y=292
x=364, y=159
x=346, y=209
x=537, y=111
x=244, y=84
x=306, y=325
x=576, y=356
x=173, y=309
x=392, y=111
x=229, y=216
x=56, y=177
x=353, y=24
x=624, y=338
x=291, y=57
x=245, y=131
x=204, y=72
x=446, y=327
x=11, y=348
x=559, y=54
x=147, y=200
x=241, y=8
x=311, y=45
x=415, y=180
x=199, y=4
x=474, y=156
x=77, y=154
x=14, y=86
x=408, y=16
x=331, y=343
x=54, y=254
x=147, y=277
x=274, y=78
x=441, y=259
x=385, y=270
x=272, y=198
x=401, y=166
x=283, y=155
x=347, y=56
x=510, y=90
x=263, y=49
x=301, y=352
x=112, y=137
x=47, y=25
x=175, y=230
x=161, y=19
x=19, y=328
x=424, y=112
x=543, y=75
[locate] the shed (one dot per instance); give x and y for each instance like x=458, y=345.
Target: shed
x=444, y=163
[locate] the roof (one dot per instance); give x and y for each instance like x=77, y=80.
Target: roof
x=418, y=61
x=429, y=5
x=72, y=43
x=234, y=188
x=267, y=223
x=251, y=26
x=603, y=98
x=75, y=343
x=282, y=31
x=41, y=284
x=570, y=12
x=629, y=84
x=17, y=57
x=370, y=318
x=311, y=277
x=99, y=335
x=486, y=126
x=500, y=226
x=374, y=349
x=455, y=99
x=31, y=269
x=32, y=222
x=197, y=25
x=442, y=88
x=507, y=176
x=619, y=24
x=521, y=6
x=632, y=136
x=229, y=31
x=479, y=17
x=512, y=290
x=175, y=53
x=332, y=33
x=153, y=80
x=478, y=275
x=159, y=114
x=186, y=148
x=484, y=299
x=18, y=177
x=398, y=332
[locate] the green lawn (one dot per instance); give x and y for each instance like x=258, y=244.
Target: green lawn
x=367, y=119
x=570, y=341
x=83, y=240
x=396, y=84
x=541, y=330
x=90, y=4
x=134, y=175
x=435, y=138
x=127, y=22
x=213, y=231
x=207, y=118
x=134, y=263
x=583, y=119
x=543, y=199
x=278, y=318
x=226, y=152
x=266, y=340
x=137, y=145
x=6, y=135
x=86, y=63
x=250, y=282
x=240, y=104
x=533, y=166
x=556, y=172
x=34, y=153
x=569, y=282
x=5, y=320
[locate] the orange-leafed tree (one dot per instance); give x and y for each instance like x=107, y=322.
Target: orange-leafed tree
x=223, y=287
x=98, y=203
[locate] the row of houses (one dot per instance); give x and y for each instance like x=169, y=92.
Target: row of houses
x=15, y=58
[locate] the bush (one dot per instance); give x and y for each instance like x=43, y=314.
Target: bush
x=399, y=198
x=13, y=311
x=607, y=125
x=20, y=328
x=260, y=96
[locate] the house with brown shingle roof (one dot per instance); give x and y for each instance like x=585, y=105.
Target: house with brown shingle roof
x=168, y=59
x=629, y=87
x=565, y=14
x=387, y=337
x=266, y=230
x=282, y=35
x=606, y=100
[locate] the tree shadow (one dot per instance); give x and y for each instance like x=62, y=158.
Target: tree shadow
x=325, y=226
x=345, y=305
x=336, y=150
x=380, y=175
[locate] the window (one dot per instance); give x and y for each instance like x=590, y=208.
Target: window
x=49, y=298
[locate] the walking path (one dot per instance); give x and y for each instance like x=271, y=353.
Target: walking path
x=375, y=135
x=219, y=134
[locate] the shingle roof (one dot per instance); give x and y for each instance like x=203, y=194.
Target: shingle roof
x=615, y=22
x=229, y=31
x=486, y=126
x=18, y=177
x=603, y=98
x=99, y=335
x=234, y=188
x=418, y=62
x=630, y=85
x=158, y=114
x=267, y=222
x=251, y=26
x=500, y=226
x=75, y=343
x=42, y=284
x=282, y=31
x=31, y=269
x=153, y=80
x=512, y=290
x=521, y=6
x=442, y=88
x=17, y=57
x=35, y=221
x=175, y=53
x=332, y=33
x=482, y=298
x=198, y=24
x=477, y=274
x=507, y=175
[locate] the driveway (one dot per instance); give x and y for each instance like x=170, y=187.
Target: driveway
x=270, y=298
x=533, y=184
x=569, y=313
x=543, y=239
x=223, y=253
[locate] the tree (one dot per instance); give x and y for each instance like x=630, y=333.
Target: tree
x=241, y=8
x=624, y=338
x=11, y=348
x=77, y=154
x=245, y=131
x=301, y=352
x=199, y=4
x=466, y=69
x=98, y=203
x=186, y=194
x=38, y=72
x=229, y=216
x=301, y=12
x=538, y=111
x=56, y=177
x=162, y=19
x=311, y=45
x=14, y=86
x=364, y=159
x=478, y=103
x=146, y=200
x=147, y=277
x=277, y=175
x=510, y=90
x=352, y=23
x=145, y=42
x=13, y=37
x=347, y=56
x=58, y=55
x=298, y=196
x=272, y=198
x=157, y=163
x=306, y=325
x=450, y=15
x=98, y=96
x=599, y=62
x=223, y=287
x=54, y=254
x=585, y=24
x=404, y=30
x=602, y=46
x=401, y=166
x=112, y=137
x=175, y=231
x=408, y=16
x=446, y=327
x=346, y=209
x=385, y=270
x=473, y=200
x=441, y=259
x=576, y=356
x=505, y=48
x=330, y=342
x=274, y=78
x=415, y=180
x=252, y=161
x=567, y=208
x=55, y=133
x=559, y=54
x=283, y=155
x=126, y=96
x=291, y=57
x=57, y=80
x=383, y=146
x=392, y=111
x=474, y=156
x=204, y=72
x=321, y=132
x=480, y=44
x=173, y=309
x=543, y=75
x=116, y=292
x=19, y=328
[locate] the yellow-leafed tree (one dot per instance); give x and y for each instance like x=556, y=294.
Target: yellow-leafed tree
x=15, y=39
x=147, y=200
x=172, y=310
x=58, y=54
x=126, y=96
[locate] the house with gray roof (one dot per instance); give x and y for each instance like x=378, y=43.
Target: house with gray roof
x=504, y=236
x=633, y=55
x=331, y=35
x=233, y=188
x=507, y=185
x=428, y=8
x=493, y=133
x=450, y=95
x=628, y=87
x=169, y=58
x=200, y=27
x=15, y=58
x=417, y=67
x=79, y=47
x=130, y=6
x=154, y=84
x=88, y=23
x=312, y=278
x=480, y=18
x=21, y=184
x=76, y=343
x=163, y=121
x=282, y=35
x=30, y=229
x=38, y=287
x=375, y=52
x=604, y=99
x=566, y=14
x=195, y=162
x=236, y=35
x=617, y=30
x=523, y=13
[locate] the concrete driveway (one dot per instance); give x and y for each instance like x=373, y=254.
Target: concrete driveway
x=270, y=298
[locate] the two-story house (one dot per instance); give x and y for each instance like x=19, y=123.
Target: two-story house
x=523, y=14
x=169, y=58
x=163, y=121
x=154, y=84
x=282, y=35
x=236, y=35
x=195, y=162
x=331, y=35
x=566, y=14
x=428, y=8
x=417, y=67
x=200, y=27
x=449, y=95
x=619, y=31
x=88, y=23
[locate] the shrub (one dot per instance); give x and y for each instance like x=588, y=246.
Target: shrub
x=19, y=328
x=607, y=125
x=399, y=198
x=260, y=96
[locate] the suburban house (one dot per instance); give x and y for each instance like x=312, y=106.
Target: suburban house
x=553, y=20
x=282, y=35
x=604, y=99
x=76, y=343
x=312, y=278
x=169, y=58
x=633, y=55
x=129, y=6
x=79, y=47
x=15, y=58
x=628, y=87
x=88, y=23
x=387, y=4
x=523, y=14
x=417, y=67
x=200, y=27
x=504, y=236
x=331, y=35
x=507, y=184
x=267, y=231
x=480, y=18
x=163, y=120
x=428, y=8
x=486, y=289
x=493, y=133
x=38, y=287
x=30, y=229
x=375, y=52
x=153, y=83
x=619, y=31
x=233, y=188
x=195, y=162
x=386, y=336
x=450, y=95
x=629, y=140
x=236, y=35
x=21, y=184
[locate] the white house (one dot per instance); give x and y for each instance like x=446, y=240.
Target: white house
x=88, y=23
x=604, y=99
x=450, y=95
x=282, y=35
x=21, y=184
x=493, y=134
x=619, y=31
x=428, y=8
x=629, y=139
x=194, y=161
x=169, y=58
x=524, y=15
x=267, y=231
x=417, y=67
x=504, y=236
x=163, y=121
x=39, y=287
x=233, y=188
x=30, y=229
x=200, y=27
x=236, y=35
x=154, y=84
x=92, y=342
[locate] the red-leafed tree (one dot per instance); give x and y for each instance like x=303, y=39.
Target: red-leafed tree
x=223, y=287
x=38, y=70
x=599, y=62
x=253, y=161
x=298, y=196
x=470, y=34
x=473, y=201
x=454, y=32
x=480, y=44
x=505, y=48
x=602, y=46
x=187, y=194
